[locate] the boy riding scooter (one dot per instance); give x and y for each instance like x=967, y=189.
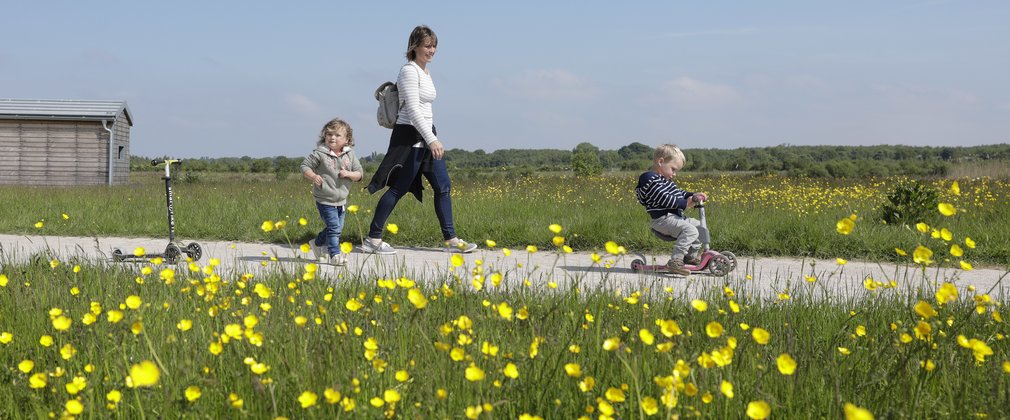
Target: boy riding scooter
x=666, y=202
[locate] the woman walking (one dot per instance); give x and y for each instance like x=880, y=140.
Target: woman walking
x=414, y=150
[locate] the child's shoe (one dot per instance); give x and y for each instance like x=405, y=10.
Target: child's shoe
x=459, y=245
x=338, y=260
x=692, y=259
x=381, y=248
x=676, y=266
x=319, y=251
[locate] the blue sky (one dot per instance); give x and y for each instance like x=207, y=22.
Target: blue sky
x=259, y=79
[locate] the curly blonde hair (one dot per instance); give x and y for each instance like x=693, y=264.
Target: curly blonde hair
x=334, y=125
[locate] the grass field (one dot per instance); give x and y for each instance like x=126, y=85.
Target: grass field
x=749, y=215
x=95, y=340
x=90, y=339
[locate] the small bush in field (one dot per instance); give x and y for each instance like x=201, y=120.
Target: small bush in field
x=909, y=203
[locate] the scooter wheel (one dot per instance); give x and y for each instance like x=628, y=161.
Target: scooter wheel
x=636, y=265
x=732, y=259
x=194, y=251
x=117, y=254
x=720, y=265
x=172, y=253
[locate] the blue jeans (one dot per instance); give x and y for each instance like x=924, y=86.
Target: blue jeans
x=333, y=217
x=438, y=177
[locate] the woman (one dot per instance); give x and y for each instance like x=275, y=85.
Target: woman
x=414, y=150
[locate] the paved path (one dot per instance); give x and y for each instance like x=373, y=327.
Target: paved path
x=762, y=277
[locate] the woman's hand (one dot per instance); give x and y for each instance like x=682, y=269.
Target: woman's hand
x=436, y=149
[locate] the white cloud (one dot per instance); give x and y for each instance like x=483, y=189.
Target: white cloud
x=686, y=92
x=302, y=104
x=548, y=84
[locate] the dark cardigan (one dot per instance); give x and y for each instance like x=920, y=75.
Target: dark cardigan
x=401, y=142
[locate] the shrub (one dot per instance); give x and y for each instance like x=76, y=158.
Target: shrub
x=909, y=203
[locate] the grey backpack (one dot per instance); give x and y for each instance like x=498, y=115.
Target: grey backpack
x=389, y=104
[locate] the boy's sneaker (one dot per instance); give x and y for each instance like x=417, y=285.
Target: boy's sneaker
x=319, y=251
x=692, y=259
x=381, y=248
x=675, y=266
x=459, y=245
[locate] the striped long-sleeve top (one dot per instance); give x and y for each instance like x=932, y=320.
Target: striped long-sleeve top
x=417, y=92
x=660, y=196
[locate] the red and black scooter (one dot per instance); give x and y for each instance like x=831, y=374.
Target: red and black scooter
x=174, y=249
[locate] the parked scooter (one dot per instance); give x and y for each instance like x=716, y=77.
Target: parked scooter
x=174, y=249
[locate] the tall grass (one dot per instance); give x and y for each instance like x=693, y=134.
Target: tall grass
x=749, y=215
x=369, y=345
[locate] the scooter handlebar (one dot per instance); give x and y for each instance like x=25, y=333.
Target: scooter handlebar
x=156, y=162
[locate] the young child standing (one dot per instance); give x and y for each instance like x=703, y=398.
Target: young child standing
x=666, y=203
x=331, y=168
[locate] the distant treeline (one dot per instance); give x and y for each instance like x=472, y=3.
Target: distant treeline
x=586, y=159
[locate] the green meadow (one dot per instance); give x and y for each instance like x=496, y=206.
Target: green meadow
x=92, y=339
x=748, y=215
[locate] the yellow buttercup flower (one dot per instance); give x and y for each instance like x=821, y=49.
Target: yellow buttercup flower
x=62, y=323
x=922, y=255
x=474, y=373
x=845, y=226
x=417, y=298
x=511, y=370
x=646, y=336
x=611, y=344
x=193, y=393
x=302, y=221
x=353, y=305
x=925, y=310
x=614, y=395
x=946, y=294
x=853, y=412
x=74, y=407
x=947, y=209
x=26, y=366
x=758, y=410
x=144, y=374
x=555, y=228
x=786, y=364
x=133, y=302
x=393, y=228
x=573, y=369
x=699, y=305
x=761, y=336
x=713, y=329
x=267, y=226
x=307, y=399
x=726, y=388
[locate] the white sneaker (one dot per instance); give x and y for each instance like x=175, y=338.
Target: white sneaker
x=319, y=251
x=459, y=245
x=338, y=260
x=382, y=248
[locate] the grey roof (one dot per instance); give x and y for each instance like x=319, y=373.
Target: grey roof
x=63, y=109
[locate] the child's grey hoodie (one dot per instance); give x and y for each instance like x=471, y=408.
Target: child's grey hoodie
x=328, y=164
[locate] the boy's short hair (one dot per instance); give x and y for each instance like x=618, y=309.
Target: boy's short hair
x=332, y=125
x=669, y=151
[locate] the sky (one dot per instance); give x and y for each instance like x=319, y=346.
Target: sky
x=260, y=79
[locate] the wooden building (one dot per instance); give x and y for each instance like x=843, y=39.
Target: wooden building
x=64, y=142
